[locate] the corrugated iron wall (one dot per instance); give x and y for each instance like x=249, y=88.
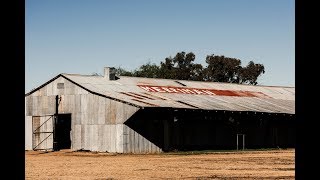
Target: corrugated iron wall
x=136, y=143
x=97, y=122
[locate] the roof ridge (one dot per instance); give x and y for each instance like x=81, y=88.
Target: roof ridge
x=72, y=74
x=209, y=82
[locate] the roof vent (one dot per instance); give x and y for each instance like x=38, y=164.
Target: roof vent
x=110, y=73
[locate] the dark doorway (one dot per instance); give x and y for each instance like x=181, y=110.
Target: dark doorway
x=62, y=132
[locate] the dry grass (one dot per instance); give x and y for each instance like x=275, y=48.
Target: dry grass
x=271, y=164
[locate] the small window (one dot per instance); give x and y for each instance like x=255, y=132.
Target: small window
x=60, y=85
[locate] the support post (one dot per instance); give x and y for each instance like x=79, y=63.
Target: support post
x=243, y=141
x=243, y=145
x=55, y=120
x=237, y=142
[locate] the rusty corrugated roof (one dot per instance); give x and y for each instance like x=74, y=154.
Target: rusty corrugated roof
x=150, y=92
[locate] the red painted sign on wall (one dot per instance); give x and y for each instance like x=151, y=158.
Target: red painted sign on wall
x=214, y=92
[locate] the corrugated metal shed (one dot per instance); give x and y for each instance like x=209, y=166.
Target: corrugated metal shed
x=149, y=92
x=105, y=113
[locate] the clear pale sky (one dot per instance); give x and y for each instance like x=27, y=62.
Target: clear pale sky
x=83, y=36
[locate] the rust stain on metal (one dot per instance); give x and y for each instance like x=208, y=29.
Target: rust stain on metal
x=197, y=91
x=260, y=94
x=187, y=104
x=131, y=95
x=155, y=96
x=145, y=102
x=140, y=95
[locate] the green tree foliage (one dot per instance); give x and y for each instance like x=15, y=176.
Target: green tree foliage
x=225, y=69
x=167, y=70
x=122, y=72
x=182, y=67
x=222, y=69
x=197, y=73
x=183, y=64
x=147, y=70
x=250, y=73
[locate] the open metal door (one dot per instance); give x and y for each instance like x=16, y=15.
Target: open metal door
x=42, y=129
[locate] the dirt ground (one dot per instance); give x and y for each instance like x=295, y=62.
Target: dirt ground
x=65, y=164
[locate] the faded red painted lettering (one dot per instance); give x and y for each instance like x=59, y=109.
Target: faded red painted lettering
x=158, y=88
x=147, y=88
x=173, y=89
x=208, y=92
x=167, y=89
x=211, y=92
x=198, y=91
